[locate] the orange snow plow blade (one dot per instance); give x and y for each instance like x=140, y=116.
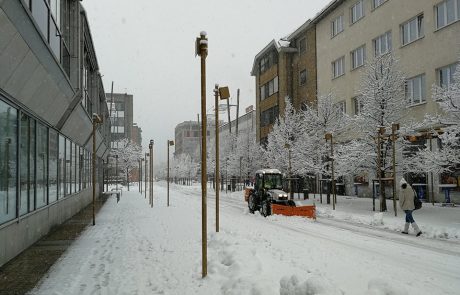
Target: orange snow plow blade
x=304, y=210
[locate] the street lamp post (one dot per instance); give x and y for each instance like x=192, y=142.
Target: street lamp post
x=116, y=172
x=328, y=136
x=380, y=133
x=96, y=120
x=151, y=173
x=394, y=128
x=140, y=174
x=170, y=143
x=146, y=173
x=291, y=193
x=202, y=51
x=224, y=93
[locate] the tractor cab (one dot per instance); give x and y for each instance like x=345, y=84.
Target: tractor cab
x=267, y=180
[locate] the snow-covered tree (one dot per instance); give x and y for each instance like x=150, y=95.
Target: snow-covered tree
x=128, y=153
x=282, y=151
x=382, y=101
x=317, y=120
x=447, y=157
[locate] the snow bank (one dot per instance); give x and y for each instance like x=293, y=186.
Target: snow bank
x=315, y=285
x=382, y=287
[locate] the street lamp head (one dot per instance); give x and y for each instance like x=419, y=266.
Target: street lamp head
x=224, y=92
x=96, y=118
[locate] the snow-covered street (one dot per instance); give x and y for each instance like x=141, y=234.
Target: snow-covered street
x=135, y=249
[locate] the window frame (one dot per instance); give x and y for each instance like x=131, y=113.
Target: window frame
x=354, y=20
x=353, y=57
x=387, y=36
x=420, y=30
x=451, y=68
x=335, y=26
x=381, y=2
x=334, y=63
x=302, y=82
x=410, y=102
x=456, y=11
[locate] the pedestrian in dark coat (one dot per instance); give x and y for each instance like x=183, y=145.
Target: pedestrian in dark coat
x=406, y=202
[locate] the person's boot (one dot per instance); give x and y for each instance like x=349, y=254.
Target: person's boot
x=406, y=229
x=417, y=230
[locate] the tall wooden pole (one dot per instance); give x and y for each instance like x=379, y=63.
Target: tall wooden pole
x=96, y=120
x=202, y=45
x=94, y=170
x=237, y=109
x=394, y=127
x=145, y=175
x=217, y=176
x=167, y=173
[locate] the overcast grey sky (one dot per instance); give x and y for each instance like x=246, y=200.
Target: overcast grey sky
x=147, y=47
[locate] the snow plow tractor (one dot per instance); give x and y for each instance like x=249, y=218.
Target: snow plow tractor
x=268, y=197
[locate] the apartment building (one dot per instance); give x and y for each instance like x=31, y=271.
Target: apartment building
x=50, y=86
x=424, y=35
x=284, y=69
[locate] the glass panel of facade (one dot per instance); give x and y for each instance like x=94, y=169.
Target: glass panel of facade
x=61, y=161
x=74, y=168
x=32, y=159
x=53, y=166
x=8, y=161
x=40, y=14
x=24, y=164
x=68, y=166
x=42, y=165
x=55, y=40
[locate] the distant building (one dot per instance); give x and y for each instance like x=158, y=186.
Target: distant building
x=121, y=113
x=246, y=125
x=136, y=134
x=188, y=138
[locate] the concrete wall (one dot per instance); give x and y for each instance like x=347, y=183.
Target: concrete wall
x=19, y=234
x=436, y=49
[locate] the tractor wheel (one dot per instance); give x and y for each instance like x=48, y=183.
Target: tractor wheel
x=266, y=208
x=252, y=203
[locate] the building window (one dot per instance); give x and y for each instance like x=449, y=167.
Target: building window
x=358, y=57
x=357, y=11
x=267, y=61
x=382, y=44
x=8, y=161
x=338, y=67
x=447, y=12
x=445, y=75
x=412, y=30
x=42, y=166
x=303, y=77
x=264, y=64
x=357, y=105
x=415, y=90
x=341, y=107
x=61, y=167
x=53, y=166
x=269, y=88
x=337, y=26
x=302, y=45
x=268, y=117
x=377, y=3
